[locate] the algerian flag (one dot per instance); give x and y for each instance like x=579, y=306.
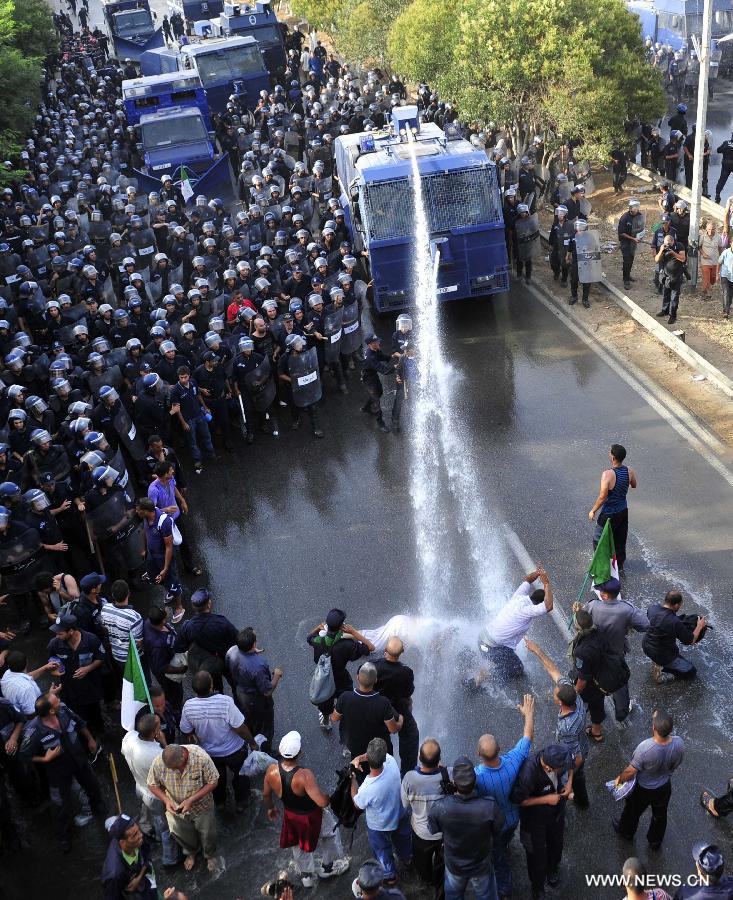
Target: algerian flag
x=186, y=188
x=135, y=693
x=603, y=565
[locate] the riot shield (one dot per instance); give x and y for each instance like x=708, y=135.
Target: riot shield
x=585, y=207
x=528, y=237
x=584, y=176
x=588, y=250
x=305, y=377
x=115, y=523
x=127, y=433
x=118, y=462
x=563, y=191
x=20, y=560
x=333, y=332
x=260, y=385
x=351, y=325
x=111, y=376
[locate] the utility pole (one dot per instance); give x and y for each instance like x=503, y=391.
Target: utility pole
x=703, y=54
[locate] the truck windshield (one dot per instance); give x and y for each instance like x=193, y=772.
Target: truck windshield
x=453, y=199
x=167, y=132
x=133, y=22
x=226, y=65
x=267, y=35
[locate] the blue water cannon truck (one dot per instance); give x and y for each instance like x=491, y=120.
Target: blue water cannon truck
x=462, y=203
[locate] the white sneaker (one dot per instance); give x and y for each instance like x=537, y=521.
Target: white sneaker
x=307, y=879
x=338, y=868
x=82, y=819
x=324, y=722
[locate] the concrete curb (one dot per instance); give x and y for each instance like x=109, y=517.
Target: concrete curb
x=707, y=206
x=673, y=343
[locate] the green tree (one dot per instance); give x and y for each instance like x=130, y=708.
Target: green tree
x=27, y=36
x=437, y=25
x=560, y=68
x=362, y=30
x=320, y=14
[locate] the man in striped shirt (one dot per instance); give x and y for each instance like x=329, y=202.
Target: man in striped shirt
x=495, y=777
x=571, y=719
x=219, y=728
x=121, y=622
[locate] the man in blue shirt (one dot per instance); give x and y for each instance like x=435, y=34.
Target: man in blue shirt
x=188, y=404
x=495, y=777
x=254, y=684
x=161, y=561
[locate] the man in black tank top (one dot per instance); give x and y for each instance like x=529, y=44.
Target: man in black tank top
x=611, y=501
x=307, y=820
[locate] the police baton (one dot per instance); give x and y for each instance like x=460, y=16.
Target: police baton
x=241, y=407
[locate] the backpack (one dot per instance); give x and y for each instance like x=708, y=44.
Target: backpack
x=341, y=801
x=323, y=684
x=176, y=534
x=68, y=608
x=613, y=673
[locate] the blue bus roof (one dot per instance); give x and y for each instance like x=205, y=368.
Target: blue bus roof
x=216, y=44
x=153, y=84
x=172, y=112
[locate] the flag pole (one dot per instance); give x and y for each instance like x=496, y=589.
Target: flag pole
x=113, y=771
x=585, y=584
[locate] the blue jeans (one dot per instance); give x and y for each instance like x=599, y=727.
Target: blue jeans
x=484, y=886
x=155, y=814
x=680, y=667
x=505, y=662
x=502, y=868
x=199, y=434
x=384, y=842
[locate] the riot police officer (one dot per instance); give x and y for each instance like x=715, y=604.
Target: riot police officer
x=726, y=166
x=376, y=363
x=561, y=234
x=657, y=240
x=671, y=258
x=298, y=369
x=629, y=227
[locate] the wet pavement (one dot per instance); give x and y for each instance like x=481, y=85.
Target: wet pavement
x=289, y=528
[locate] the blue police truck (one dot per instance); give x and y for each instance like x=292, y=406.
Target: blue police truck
x=673, y=22
x=142, y=96
x=462, y=201
x=225, y=66
x=255, y=20
x=131, y=27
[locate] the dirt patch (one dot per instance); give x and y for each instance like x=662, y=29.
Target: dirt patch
x=698, y=316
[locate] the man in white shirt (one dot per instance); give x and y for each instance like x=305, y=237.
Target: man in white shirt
x=220, y=730
x=498, y=641
x=140, y=748
x=19, y=686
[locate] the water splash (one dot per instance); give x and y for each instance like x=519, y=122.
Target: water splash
x=442, y=461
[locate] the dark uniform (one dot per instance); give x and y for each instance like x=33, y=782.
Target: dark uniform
x=396, y=682
x=72, y=764
x=726, y=166
x=561, y=235
x=376, y=363
x=672, y=274
x=541, y=828
x=207, y=636
x=628, y=246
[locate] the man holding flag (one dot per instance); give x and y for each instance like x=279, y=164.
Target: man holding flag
x=135, y=693
x=611, y=501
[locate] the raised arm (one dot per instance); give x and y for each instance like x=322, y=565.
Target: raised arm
x=549, y=666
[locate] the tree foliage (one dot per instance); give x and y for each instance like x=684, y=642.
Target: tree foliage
x=320, y=14
x=27, y=36
x=363, y=27
x=562, y=68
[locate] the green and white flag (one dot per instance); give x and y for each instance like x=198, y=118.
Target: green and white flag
x=186, y=186
x=135, y=693
x=604, y=565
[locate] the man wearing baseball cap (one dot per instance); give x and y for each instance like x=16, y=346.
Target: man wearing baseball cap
x=712, y=883
x=207, y=636
x=369, y=884
x=307, y=820
x=128, y=870
x=470, y=824
x=344, y=644
x=541, y=791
